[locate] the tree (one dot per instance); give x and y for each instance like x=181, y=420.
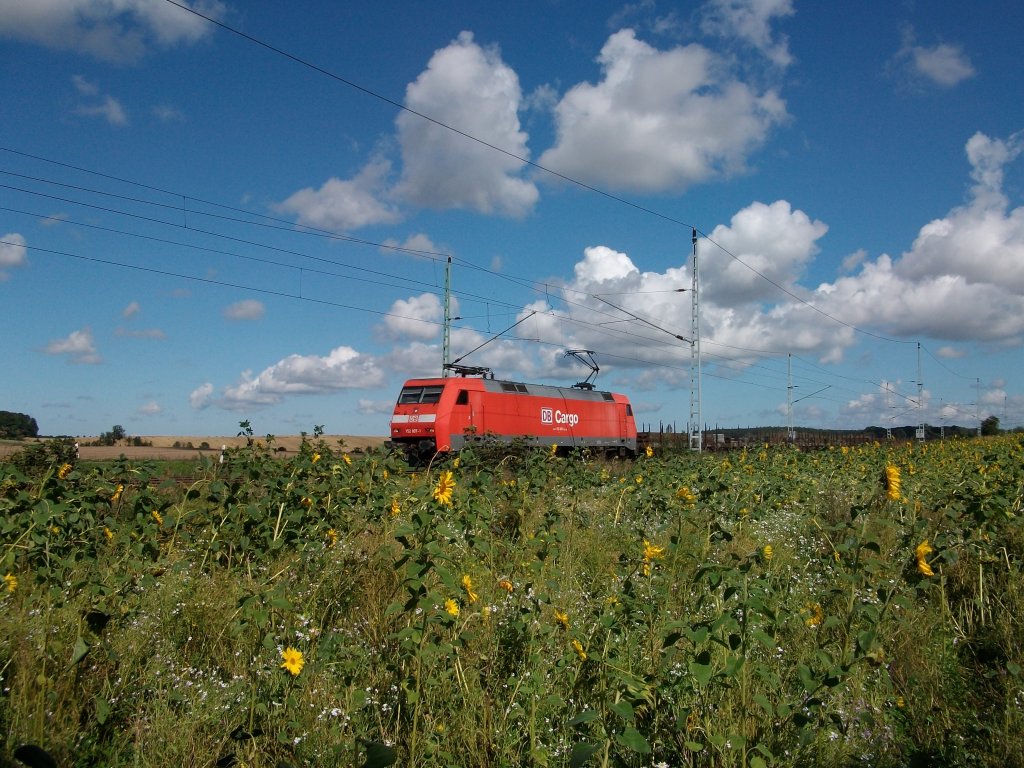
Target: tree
x=990, y=426
x=17, y=425
x=111, y=437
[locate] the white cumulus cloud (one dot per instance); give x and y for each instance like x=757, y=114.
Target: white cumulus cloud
x=417, y=318
x=79, y=346
x=247, y=309
x=111, y=30
x=152, y=408
x=469, y=87
x=659, y=120
x=97, y=104
x=343, y=205
x=342, y=368
x=751, y=22
x=772, y=239
x=943, y=64
x=963, y=278
x=108, y=108
x=13, y=253
x=200, y=396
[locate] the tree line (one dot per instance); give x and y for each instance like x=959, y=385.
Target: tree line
x=17, y=425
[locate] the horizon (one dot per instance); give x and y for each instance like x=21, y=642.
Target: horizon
x=213, y=212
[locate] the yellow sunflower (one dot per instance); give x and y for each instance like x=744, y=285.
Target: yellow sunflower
x=445, y=487
x=292, y=660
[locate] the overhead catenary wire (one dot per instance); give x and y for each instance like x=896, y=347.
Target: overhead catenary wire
x=526, y=161
x=184, y=208
x=286, y=226
x=264, y=291
x=738, y=364
x=433, y=255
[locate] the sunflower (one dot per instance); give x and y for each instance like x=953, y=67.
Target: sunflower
x=445, y=486
x=685, y=495
x=920, y=553
x=292, y=660
x=561, y=618
x=815, y=615
x=451, y=606
x=467, y=584
x=578, y=647
x=891, y=482
x=652, y=551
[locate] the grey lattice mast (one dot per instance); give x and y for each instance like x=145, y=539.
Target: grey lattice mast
x=696, y=416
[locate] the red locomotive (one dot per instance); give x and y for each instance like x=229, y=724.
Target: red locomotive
x=438, y=415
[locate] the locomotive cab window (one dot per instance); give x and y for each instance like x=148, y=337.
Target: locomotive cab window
x=463, y=398
x=412, y=395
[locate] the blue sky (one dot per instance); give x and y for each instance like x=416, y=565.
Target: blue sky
x=201, y=227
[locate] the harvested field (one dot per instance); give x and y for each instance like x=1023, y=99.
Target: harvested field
x=163, y=447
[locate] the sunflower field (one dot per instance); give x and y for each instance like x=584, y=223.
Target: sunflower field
x=513, y=608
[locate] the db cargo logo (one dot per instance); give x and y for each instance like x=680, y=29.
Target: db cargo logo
x=550, y=416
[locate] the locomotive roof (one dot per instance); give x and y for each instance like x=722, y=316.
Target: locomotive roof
x=517, y=387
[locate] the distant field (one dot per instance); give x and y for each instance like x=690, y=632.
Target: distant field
x=163, y=445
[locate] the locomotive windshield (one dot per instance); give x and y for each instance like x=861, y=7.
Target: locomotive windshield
x=412, y=395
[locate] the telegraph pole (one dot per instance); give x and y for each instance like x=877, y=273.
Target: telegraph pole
x=920, y=397
x=977, y=398
x=447, y=335
x=696, y=415
x=790, y=434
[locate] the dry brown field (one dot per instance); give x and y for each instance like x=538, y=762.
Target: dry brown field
x=163, y=446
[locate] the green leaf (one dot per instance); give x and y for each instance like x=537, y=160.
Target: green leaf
x=762, y=701
x=694, y=746
x=631, y=739
x=102, y=710
x=764, y=638
x=586, y=716
x=581, y=754
x=733, y=665
x=698, y=635
x=379, y=755
x=702, y=672
x=623, y=709
x=80, y=650
x=806, y=678
x=865, y=640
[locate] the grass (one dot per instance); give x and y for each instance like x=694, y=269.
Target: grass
x=557, y=612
